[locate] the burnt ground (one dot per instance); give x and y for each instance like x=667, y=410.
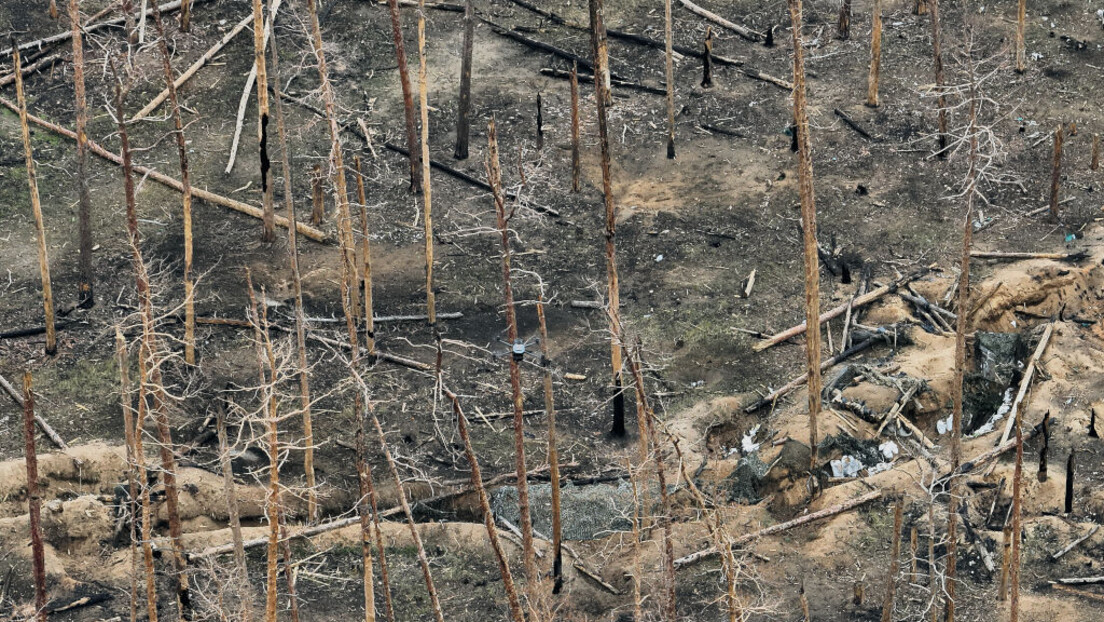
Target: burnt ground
x=689, y=230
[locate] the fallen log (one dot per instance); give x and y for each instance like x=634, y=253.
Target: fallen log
x=165, y=180
x=851, y=123
x=68, y=604
x=1072, y=545
x=625, y=84
x=193, y=69
x=1025, y=383
x=773, y=396
x=31, y=331
x=850, y=504
x=29, y=69
x=1076, y=592
x=766, y=77
x=54, y=437
x=1081, y=580
x=1066, y=257
x=861, y=301
x=739, y=29
x=541, y=46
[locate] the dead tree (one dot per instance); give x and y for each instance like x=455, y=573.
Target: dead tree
x=463, y=120
x=875, y=54
x=318, y=197
x=1021, y=25
x=540, y=123
x=349, y=301
x=408, y=98
x=363, y=512
x=937, y=58
x=366, y=265
x=297, y=290
x=36, y=205
x=516, y=612
x=843, y=28
x=1069, y=483
x=613, y=295
x=494, y=177
x=920, y=7
x=234, y=517
x=269, y=232
x=707, y=59
x=427, y=202
x=1043, y=447
x=1017, y=526
x=553, y=453
x=894, y=561
x=1094, y=164
x=132, y=480
x=185, y=15
x=808, y=221
x=85, y=296
x=144, y=351
x=670, y=80
x=575, y=163
x=186, y=194
x=1056, y=173
x=52, y=11
x=34, y=501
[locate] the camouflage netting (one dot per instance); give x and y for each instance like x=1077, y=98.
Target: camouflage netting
x=745, y=484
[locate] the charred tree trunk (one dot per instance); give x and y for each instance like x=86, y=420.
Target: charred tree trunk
x=318, y=197
x=463, y=121
x=875, y=55
x=366, y=265
x=427, y=194
x=575, y=163
x=364, y=513
x=269, y=220
x=843, y=28
x=1017, y=526
x=85, y=296
x=36, y=205
x=1044, y=446
x=707, y=59
x=132, y=480
x=808, y=221
x=494, y=177
x=1095, y=163
x=670, y=70
x=540, y=123
x=1069, y=483
x=34, y=501
x=937, y=57
x=920, y=7
x=185, y=15
x=235, y=518
x=613, y=295
x=553, y=453
x=408, y=98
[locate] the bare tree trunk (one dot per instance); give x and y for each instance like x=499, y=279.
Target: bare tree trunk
x=1021, y=24
x=637, y=566
x=235, y=518
x=145, y=349
x=408, y=98
x=707, y=59
x=427, y=195
x=875, y=55
x=290, y=568
x=297, y=289
x=127, y=8
x=182, y=154
x=349, y=299
x=843, y=27
x=52, y=11
x=1056, y=173
x=1043, y=447
x=553, y=453
x=540, y=123
x=809, y=232
x=894, y=561
x=269, y=232
x=516, y=613
x=1069, y=483
x=385, y=576
x=365, y=520
x=423, y=561
x=36, y=206
x=185, y=15
x=132, y=481
x=318, y=197
x=1006, y=561
x=613, y=295
x=575, y=163
x=937, y=56
x=494, y=177
x=366, y=262
x=85, y=297
x=34, y=500
x=1095, y=163
x=463, y=121
x=920, y=7
x=670, y=80
x=1017, y=526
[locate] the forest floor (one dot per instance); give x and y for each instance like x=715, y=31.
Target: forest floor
x=689, y=233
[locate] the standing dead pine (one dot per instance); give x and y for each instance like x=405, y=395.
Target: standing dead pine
x=269, y=216
x=408, y=98
x=670, y=80
x=808, y=221
x=36, y=205
x=463, y=114
x=937, y=59
x=1056, y=173
x=85, y=297
x=34, y=501
x=875, y=55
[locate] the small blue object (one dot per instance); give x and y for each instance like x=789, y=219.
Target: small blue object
x=1070, y=237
